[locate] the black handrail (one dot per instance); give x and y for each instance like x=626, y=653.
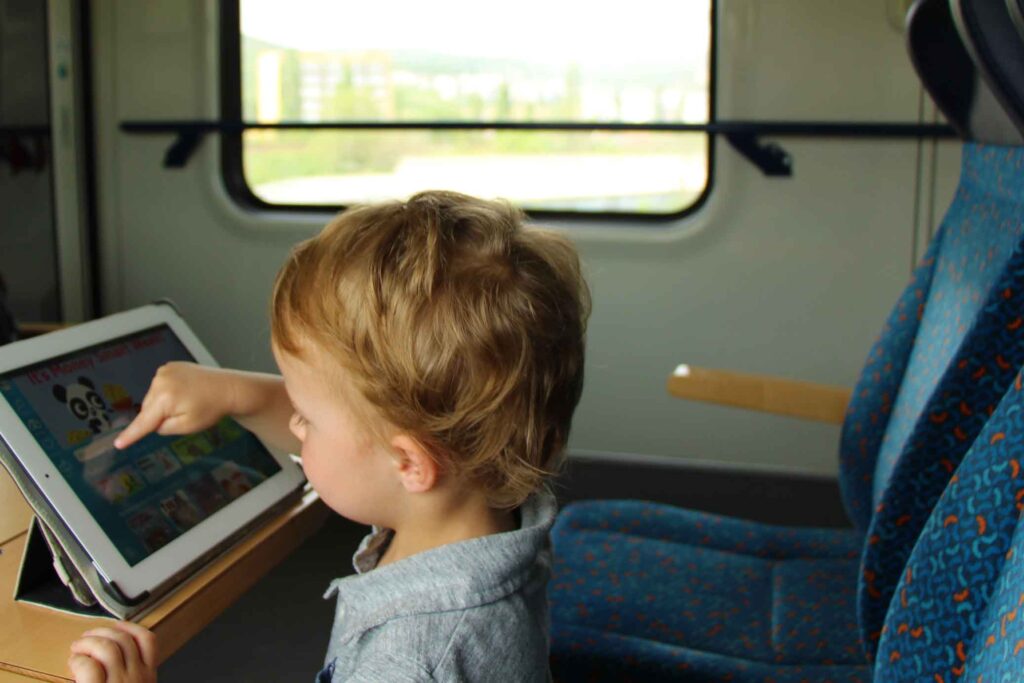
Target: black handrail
x=24, y=130
x=743, y=135
x=809, y=128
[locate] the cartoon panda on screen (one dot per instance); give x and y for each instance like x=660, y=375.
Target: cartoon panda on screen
x=85, y=404
x=99, y=414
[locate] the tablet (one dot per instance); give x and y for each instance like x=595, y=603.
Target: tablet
x=146, y=513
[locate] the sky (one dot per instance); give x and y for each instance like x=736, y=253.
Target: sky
x=540, y=30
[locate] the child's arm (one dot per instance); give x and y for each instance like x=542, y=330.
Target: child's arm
x=120, y=653
x=185, y=398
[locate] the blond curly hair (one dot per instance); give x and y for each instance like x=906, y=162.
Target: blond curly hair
x=455, y=323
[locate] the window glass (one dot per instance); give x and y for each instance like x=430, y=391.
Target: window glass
x=460, y=61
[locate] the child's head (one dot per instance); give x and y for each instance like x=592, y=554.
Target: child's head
x=447, y=321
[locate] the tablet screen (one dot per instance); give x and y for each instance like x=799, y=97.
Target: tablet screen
x=152, y=492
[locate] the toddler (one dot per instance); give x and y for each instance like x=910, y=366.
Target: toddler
x=431, y=357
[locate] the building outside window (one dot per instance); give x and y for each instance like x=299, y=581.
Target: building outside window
x=458, y=61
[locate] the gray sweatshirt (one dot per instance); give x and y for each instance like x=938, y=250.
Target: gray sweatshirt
x=469, y=611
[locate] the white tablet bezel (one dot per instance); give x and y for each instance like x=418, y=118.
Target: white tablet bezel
x=156, y=569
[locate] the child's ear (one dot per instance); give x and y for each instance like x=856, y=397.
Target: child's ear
x=416, y=467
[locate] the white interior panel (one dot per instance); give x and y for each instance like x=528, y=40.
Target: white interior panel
x=773, y=275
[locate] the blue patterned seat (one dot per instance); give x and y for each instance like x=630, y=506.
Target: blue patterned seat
x=910, y=471
x=657, y=592
x=959, y=611
x=649, y=588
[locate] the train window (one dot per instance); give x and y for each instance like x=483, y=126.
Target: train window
x=449, y=63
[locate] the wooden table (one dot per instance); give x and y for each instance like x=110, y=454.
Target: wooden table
x=34, y=640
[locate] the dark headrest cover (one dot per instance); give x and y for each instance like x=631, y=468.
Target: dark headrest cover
x=948, y=72
x=942, y=63
x=998, y=50
x=1016, y=8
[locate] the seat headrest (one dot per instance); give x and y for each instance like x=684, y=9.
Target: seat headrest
x=1016, y=8
x=997, y=49
x=950, y=76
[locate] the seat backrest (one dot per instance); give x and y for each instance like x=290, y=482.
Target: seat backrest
x=949, y=75
x=951, y=346
x=970, y=340
x=956, y=614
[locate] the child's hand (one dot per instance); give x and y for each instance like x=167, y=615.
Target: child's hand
x=120, y=653
x=183, y=398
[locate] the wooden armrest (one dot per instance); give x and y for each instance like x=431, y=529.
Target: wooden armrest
x=807, y=400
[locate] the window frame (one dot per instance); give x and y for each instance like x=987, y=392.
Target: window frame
x=232, y=145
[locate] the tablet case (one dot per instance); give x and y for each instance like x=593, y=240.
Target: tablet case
x=54, y=565
x=57, y=572
x=44, y=578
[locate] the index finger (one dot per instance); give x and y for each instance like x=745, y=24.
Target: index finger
x=148, y=419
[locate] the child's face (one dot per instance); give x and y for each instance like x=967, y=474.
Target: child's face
x=351, y=471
